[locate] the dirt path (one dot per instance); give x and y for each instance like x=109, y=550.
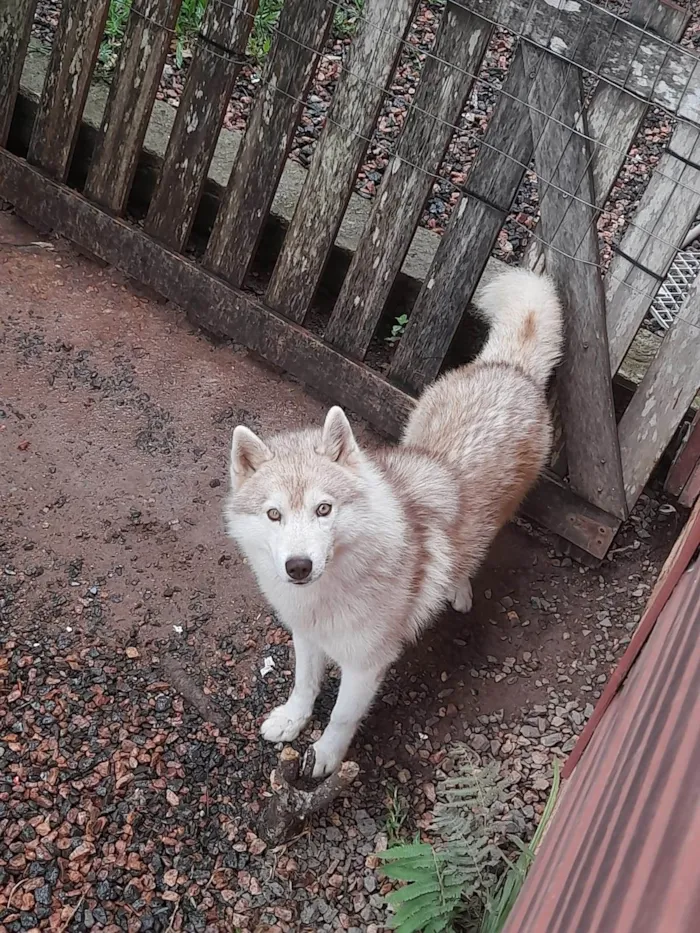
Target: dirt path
x=132, y=636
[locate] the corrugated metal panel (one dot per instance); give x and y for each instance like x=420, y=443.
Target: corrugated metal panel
x=623, y=852
x=686, y=545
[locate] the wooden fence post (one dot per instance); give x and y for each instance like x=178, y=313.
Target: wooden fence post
x=614, y=116
x=667, y=209
x=73, y=56
x=303, y=27
x=216, y=62
x=16, y=17
x=444, y=85
x=686, y=461
x=562, y=159
x=609, y=46
x=662, y=397
x=149, y=33
x=358, y=96
x=466, y=245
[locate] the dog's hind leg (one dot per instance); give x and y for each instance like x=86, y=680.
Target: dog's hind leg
x=286, y=722
x=461, y=597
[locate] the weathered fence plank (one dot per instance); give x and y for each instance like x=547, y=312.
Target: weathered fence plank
x=16, y=17
x=466, y=245
x=444, y=85
x=216, y=62
x=215, y=305
x=131, y=96
x=614, y=116
x=552, y=504
x=691, y=490
x=609, y=47
x=686, y=460
x=302, y=31
x=662, y=398
x=562, y=157
x=73, y=56
x=613, y=120
x=666, y=20
x=351, y=118
x=667, y=208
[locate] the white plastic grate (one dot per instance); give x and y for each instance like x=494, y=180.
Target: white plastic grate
x=673, y=291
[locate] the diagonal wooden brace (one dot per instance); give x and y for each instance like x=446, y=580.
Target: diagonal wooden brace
x=568, y=223
x=290, y=805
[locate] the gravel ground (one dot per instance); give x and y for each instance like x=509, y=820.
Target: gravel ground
x=132, y=638
x=651, y=141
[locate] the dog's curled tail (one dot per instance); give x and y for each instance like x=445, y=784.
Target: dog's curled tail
x=526, y=322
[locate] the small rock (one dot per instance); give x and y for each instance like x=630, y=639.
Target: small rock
x=366, y=825
x=554, y=738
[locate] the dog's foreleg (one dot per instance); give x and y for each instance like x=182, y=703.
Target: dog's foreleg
x=286, y=722
x=357, y=690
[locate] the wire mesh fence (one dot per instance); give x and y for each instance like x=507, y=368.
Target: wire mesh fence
x=613, y=217
x=548, y=133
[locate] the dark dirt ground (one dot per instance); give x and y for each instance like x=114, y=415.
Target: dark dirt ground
x=132, y=636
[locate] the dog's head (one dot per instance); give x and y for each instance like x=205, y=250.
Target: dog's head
x=297, y=500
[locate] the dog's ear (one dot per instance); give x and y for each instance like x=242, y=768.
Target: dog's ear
x=338, y=442
x=248, y=453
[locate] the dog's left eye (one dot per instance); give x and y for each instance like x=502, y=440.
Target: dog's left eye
x=324, y=509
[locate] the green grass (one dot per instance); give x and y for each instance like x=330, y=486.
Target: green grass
x=397, y=811
x=344, y=24
x=190, y=20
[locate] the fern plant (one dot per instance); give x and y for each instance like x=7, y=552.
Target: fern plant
x=459, y=876
x=440, y=879
x=500, y=902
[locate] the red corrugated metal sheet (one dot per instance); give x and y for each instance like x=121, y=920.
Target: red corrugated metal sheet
x=622, y=854
x=681, y=554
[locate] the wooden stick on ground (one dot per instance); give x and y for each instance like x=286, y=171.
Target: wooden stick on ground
x=290, y=806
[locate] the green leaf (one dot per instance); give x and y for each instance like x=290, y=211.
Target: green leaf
x=402, y=871
x=413, y=922
x=412, y=891
x=407, y=850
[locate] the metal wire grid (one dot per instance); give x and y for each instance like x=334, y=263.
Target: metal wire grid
x=673, y=291
x=597, y=210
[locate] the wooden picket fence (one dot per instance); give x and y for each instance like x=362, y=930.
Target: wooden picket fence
x=578, y=147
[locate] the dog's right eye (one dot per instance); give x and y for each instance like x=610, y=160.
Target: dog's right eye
x=273, y=515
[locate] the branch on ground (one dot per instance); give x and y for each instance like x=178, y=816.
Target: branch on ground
x=290, y=805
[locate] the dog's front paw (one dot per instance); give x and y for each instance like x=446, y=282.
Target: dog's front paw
x=284, y=723
x=328, y=756
x=461, y=598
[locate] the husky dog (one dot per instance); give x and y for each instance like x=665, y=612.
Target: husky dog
x=359, y=551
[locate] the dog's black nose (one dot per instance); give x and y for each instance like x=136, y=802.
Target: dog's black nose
x=298, y=568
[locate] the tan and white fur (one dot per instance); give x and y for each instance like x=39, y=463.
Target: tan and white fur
x=359, y=551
